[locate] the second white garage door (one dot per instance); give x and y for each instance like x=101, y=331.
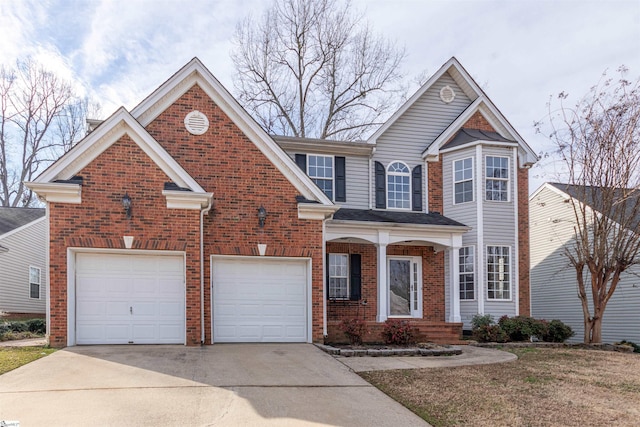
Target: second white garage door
x=259, y=300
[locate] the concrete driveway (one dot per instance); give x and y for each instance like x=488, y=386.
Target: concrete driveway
x=221, y=385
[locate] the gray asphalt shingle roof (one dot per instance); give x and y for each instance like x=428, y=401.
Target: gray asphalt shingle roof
x=12, y=218
x=431, y=218
x=466, y=135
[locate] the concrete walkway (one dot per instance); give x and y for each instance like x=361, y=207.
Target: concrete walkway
x=31, y=342
x=470, y=356
x=221, y=385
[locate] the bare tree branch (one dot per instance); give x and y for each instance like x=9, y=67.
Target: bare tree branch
x=311, y=68
x=598, y=139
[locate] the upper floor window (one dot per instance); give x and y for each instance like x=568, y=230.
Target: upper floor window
x=338, y=276
x=34, y=282
x=497, y=178
x=320, y=170
x=398, y=186
x=467, y=275
x=463, y=180
x=498, y=273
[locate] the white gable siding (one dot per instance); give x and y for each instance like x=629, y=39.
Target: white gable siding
x=554, y=292
x=27, y=247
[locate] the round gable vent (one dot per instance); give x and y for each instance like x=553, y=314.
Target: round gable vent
x=196, y=123
x=447, y=94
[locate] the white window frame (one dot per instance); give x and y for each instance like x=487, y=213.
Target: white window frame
x=507, y=179
x=347, y=277
x=453, y=168
x=461, y=272
x=401, y=174
x=39, y=284
x=416, y=279
x=510, y=273
x=333, y=173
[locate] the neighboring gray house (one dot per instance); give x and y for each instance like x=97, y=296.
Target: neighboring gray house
x=554, y=292
x=23, y=260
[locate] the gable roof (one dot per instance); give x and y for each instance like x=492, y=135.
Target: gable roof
x=465, y=136
x=194, y=72
x=591, y=196
x=14, y=218
x=480, y=103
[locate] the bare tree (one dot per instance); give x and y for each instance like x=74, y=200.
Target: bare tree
x=311, y=68
x=598, y=140
x=41, y=119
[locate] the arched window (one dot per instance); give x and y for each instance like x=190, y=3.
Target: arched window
x=398, y=186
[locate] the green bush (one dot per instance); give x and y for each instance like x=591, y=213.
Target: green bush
x=522, y=328
x=5, y=327
x=557, y=331
x=485, y=329
x=480, y=320
x=354, y=329
x=19, y=326
x=399, y=332
x=37, y=326
x=636, y=347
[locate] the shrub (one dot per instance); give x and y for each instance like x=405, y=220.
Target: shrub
x=19, y=326
x=557, y=331
x=399, y=332
x=354, y=329
x=522, y=328
x=37, y=326
x=490, y=333
x=4, y=327
x=480, y=320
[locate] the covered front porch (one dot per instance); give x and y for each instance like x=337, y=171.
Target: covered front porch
x=389, y=265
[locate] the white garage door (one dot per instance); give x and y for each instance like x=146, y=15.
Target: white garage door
x=259, y=300
x=129, y=299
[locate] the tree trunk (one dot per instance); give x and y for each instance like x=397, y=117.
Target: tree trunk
x=588, y=328
x=596, y=331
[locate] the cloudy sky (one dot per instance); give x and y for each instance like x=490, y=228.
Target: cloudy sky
x=520, y=51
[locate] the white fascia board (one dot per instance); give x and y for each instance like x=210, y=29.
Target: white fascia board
x=453, y=62
x=116, y=126
x=446, y=236
x=479, y=142
x=326, y=147
x=456, y=229
x=57, y=191
x=187, y=199
x=22, y=227
x=316, y=211
x=196, y=73
x=548, y=186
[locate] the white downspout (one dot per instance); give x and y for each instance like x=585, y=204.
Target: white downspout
x=203, y=212
x=324, y=280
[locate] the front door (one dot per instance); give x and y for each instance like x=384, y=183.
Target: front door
x=405, y=287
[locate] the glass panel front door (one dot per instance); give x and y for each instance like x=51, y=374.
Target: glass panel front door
x=400, y=287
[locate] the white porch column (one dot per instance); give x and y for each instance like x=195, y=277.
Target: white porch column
x=454, y=291
x=383, y=295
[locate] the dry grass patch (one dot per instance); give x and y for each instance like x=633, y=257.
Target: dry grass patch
x=544, y=387
x=14, y=357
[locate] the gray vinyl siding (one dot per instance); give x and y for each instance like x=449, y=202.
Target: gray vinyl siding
x=498, y=228
x=553, y=280
x=419, y=126
x=27, y=247
x=357, y=171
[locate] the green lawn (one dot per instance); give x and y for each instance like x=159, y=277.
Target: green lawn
x=14, y=357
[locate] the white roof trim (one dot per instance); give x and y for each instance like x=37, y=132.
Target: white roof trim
x=57, y=191
x=479, y=141
x=316, y=211
x=482, y=105
x=552, y=188
x=196, y=73
x=177, y=199
x=116, y=126
x=22, y=227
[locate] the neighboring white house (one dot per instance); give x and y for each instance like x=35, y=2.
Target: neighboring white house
x=554, y=292
x=23, y=260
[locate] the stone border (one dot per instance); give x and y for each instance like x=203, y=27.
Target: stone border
x=604, y=347
x=389, y=352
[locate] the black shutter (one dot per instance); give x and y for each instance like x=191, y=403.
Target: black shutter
x=341, y=180
x=381, y=194
x=416, y=192
x=301, y=161
x=356, y=277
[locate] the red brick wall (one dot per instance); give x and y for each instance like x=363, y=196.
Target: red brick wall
x=435, y=185
x=432, y=281
x=477, y=121
x=224, y=161
x=523, y=241
x=100, y=221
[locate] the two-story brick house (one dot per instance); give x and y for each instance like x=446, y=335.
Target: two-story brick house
x=182, y=221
